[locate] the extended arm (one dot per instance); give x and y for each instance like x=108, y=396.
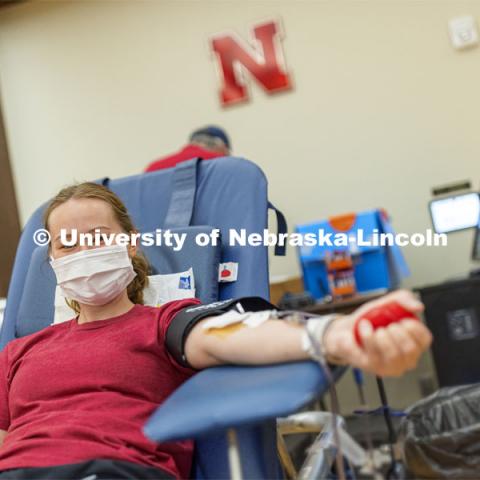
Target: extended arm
x=387, y=351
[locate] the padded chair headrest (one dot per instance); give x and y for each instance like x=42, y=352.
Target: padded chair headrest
x=36, y=308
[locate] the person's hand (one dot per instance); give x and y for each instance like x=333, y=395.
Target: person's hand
x=389, y=351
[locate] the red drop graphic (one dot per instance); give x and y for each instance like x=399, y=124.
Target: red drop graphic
x=225, y=273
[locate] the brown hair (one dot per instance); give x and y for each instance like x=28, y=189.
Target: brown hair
x=94, y=190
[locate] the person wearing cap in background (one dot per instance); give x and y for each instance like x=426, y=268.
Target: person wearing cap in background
x=206, y=143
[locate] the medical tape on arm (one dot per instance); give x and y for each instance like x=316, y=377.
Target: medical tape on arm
x=232, y=321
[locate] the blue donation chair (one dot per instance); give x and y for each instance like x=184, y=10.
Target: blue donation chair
x=219, y=407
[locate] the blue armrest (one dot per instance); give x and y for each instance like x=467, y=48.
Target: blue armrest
x=230, y=396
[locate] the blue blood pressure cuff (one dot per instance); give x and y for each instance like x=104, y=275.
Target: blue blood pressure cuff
x=188, y=317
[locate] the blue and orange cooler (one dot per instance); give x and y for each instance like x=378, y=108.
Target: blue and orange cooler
x=374, y=267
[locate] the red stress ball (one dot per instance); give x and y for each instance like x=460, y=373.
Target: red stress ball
x=383, y=316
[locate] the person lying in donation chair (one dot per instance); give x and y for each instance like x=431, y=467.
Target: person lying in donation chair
x=75, y=395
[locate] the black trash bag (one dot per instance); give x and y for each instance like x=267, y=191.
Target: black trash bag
x=441, y=434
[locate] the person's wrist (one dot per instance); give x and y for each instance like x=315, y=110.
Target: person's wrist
x=314, y=336
x=330, y=341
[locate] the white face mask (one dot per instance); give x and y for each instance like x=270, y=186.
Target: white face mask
x=96, y=276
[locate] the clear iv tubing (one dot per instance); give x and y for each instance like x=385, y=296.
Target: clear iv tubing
x=335, y=406
x=301, y=317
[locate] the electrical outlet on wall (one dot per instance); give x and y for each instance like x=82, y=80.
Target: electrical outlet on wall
x=463, y=32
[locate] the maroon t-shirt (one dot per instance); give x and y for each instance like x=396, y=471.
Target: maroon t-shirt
x=186, y=153
x=74, y=392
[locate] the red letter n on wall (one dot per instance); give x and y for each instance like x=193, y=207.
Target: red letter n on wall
x=264, y=62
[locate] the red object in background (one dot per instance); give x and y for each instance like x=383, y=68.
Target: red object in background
x=263, y=63
x=383, y=316
x=187, y=153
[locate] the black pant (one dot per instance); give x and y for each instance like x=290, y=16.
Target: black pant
x=98, y=469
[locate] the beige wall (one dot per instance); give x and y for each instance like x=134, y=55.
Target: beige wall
x=383, y=107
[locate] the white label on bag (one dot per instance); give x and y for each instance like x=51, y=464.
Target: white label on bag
x=165, y=288
x=228, y=272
